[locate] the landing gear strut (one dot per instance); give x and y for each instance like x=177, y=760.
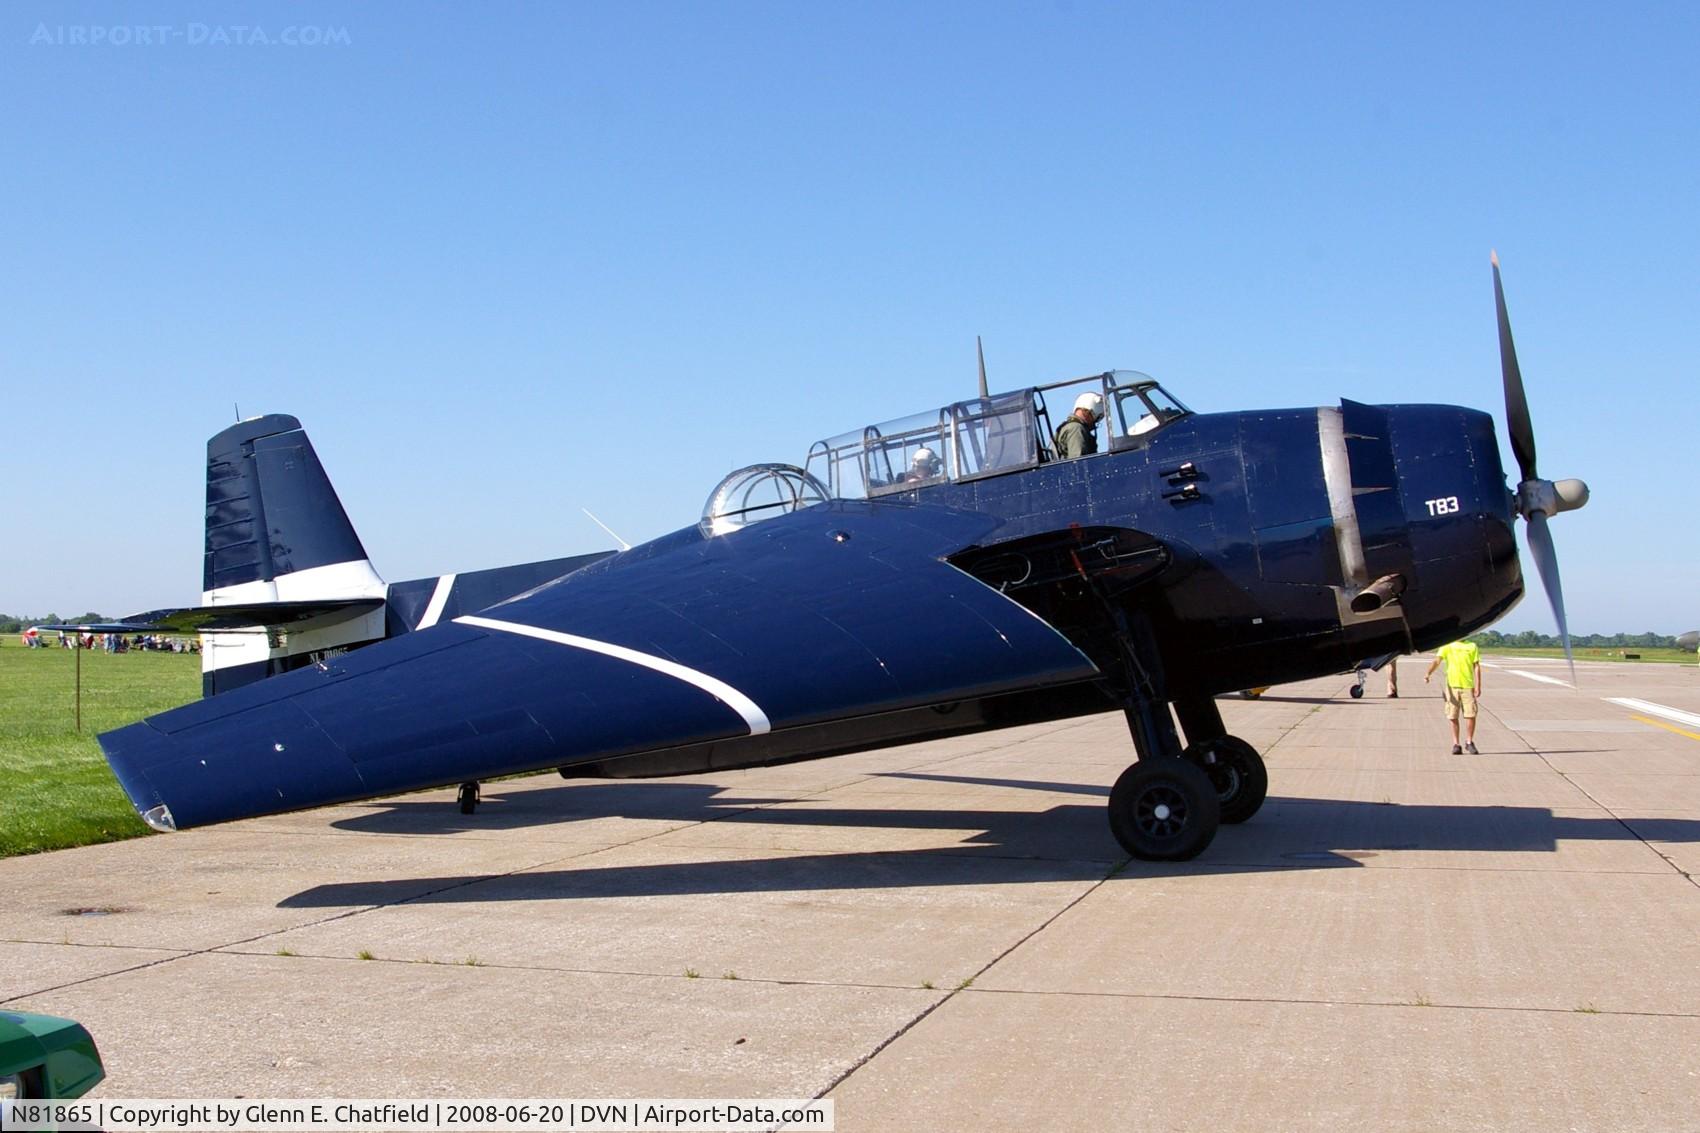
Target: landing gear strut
x=1233, y=766
x=1167, y=806
x=1163, y=808
x=468, y=797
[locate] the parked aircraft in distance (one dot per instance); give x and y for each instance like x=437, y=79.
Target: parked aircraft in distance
x=942, y=573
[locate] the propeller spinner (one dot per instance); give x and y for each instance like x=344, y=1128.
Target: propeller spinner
x=1537, y=499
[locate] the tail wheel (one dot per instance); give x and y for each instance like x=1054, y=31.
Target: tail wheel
x=1236, y=772
x=1164, y=810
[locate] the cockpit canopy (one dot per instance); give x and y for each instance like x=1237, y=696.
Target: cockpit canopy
x=987, y=436
x=761, y=491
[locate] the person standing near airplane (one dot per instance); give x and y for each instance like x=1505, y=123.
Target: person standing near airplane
x=1463, y=688
x=1078, y=436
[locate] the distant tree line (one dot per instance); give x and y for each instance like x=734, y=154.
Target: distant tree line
x=11, y=623
x=1529, y=639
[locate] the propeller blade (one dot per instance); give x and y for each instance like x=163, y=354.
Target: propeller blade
x=1546, y=561
x=1516, y=404
x=981, y=350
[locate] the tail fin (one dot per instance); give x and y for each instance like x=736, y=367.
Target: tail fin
x=286, y=579
x=275, y=528
x=277, y=534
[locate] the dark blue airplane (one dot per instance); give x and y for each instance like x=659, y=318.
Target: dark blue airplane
x=942, y=574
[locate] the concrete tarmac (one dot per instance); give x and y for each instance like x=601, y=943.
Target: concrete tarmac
x=945, y=935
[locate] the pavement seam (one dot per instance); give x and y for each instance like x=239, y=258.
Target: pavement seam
x=1301, y=1002
x=1633, y=833
x=966, y=984
x=91, y=944
x=102, y=976
x=495, y=966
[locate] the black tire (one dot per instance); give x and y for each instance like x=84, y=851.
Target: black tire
x=468, y=797
x=1163, y=810
x=1237, y=772
x=1357, y=692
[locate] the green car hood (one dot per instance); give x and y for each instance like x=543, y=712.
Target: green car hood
x=61, y=1049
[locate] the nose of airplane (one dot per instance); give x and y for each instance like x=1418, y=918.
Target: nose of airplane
x=1459, y=515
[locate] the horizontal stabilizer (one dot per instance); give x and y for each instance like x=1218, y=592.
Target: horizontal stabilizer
x=249, y=617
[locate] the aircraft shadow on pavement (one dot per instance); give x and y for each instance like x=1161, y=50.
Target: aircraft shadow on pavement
x=1068, y=841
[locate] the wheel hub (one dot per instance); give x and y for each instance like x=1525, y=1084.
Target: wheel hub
x=1224, y=774
x=1225, y=778
x=1161, y=812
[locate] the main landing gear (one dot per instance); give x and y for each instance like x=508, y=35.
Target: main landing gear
x=1167, y=806
x=468, y=797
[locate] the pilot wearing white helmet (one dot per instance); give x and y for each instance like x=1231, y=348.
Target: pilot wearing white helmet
x=1078, y=435
x=924, y=466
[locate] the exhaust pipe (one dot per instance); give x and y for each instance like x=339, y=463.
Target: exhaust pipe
x=1379, y=593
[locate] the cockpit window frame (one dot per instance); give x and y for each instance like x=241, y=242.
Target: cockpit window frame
x=951, y=436
x=906, y=435
x=965, y=416
x=1132, y=386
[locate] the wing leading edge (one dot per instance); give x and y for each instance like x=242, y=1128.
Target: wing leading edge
x=838, y=611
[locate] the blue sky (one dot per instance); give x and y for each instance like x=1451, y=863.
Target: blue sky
x=509, y=261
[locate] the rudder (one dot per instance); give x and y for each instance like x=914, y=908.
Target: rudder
x=276, y=532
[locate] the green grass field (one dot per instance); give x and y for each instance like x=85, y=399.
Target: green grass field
x=55, y=787
x=1682, y=656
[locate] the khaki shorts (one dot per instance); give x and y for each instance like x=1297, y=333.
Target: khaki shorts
x=1460, y=700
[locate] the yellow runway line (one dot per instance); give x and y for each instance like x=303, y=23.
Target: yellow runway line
x=1667, y=727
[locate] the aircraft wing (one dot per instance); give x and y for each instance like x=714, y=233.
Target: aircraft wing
x=841, y=610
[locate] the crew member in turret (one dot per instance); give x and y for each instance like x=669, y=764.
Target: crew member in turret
x=1078, y=436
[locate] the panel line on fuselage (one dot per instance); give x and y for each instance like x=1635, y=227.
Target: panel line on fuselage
x=715, y=687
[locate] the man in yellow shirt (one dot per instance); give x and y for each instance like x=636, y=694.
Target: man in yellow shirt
x=1463, y=688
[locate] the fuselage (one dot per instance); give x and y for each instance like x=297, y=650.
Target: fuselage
x=1217, y=552
x=1282, y=518
x=1272, y=524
